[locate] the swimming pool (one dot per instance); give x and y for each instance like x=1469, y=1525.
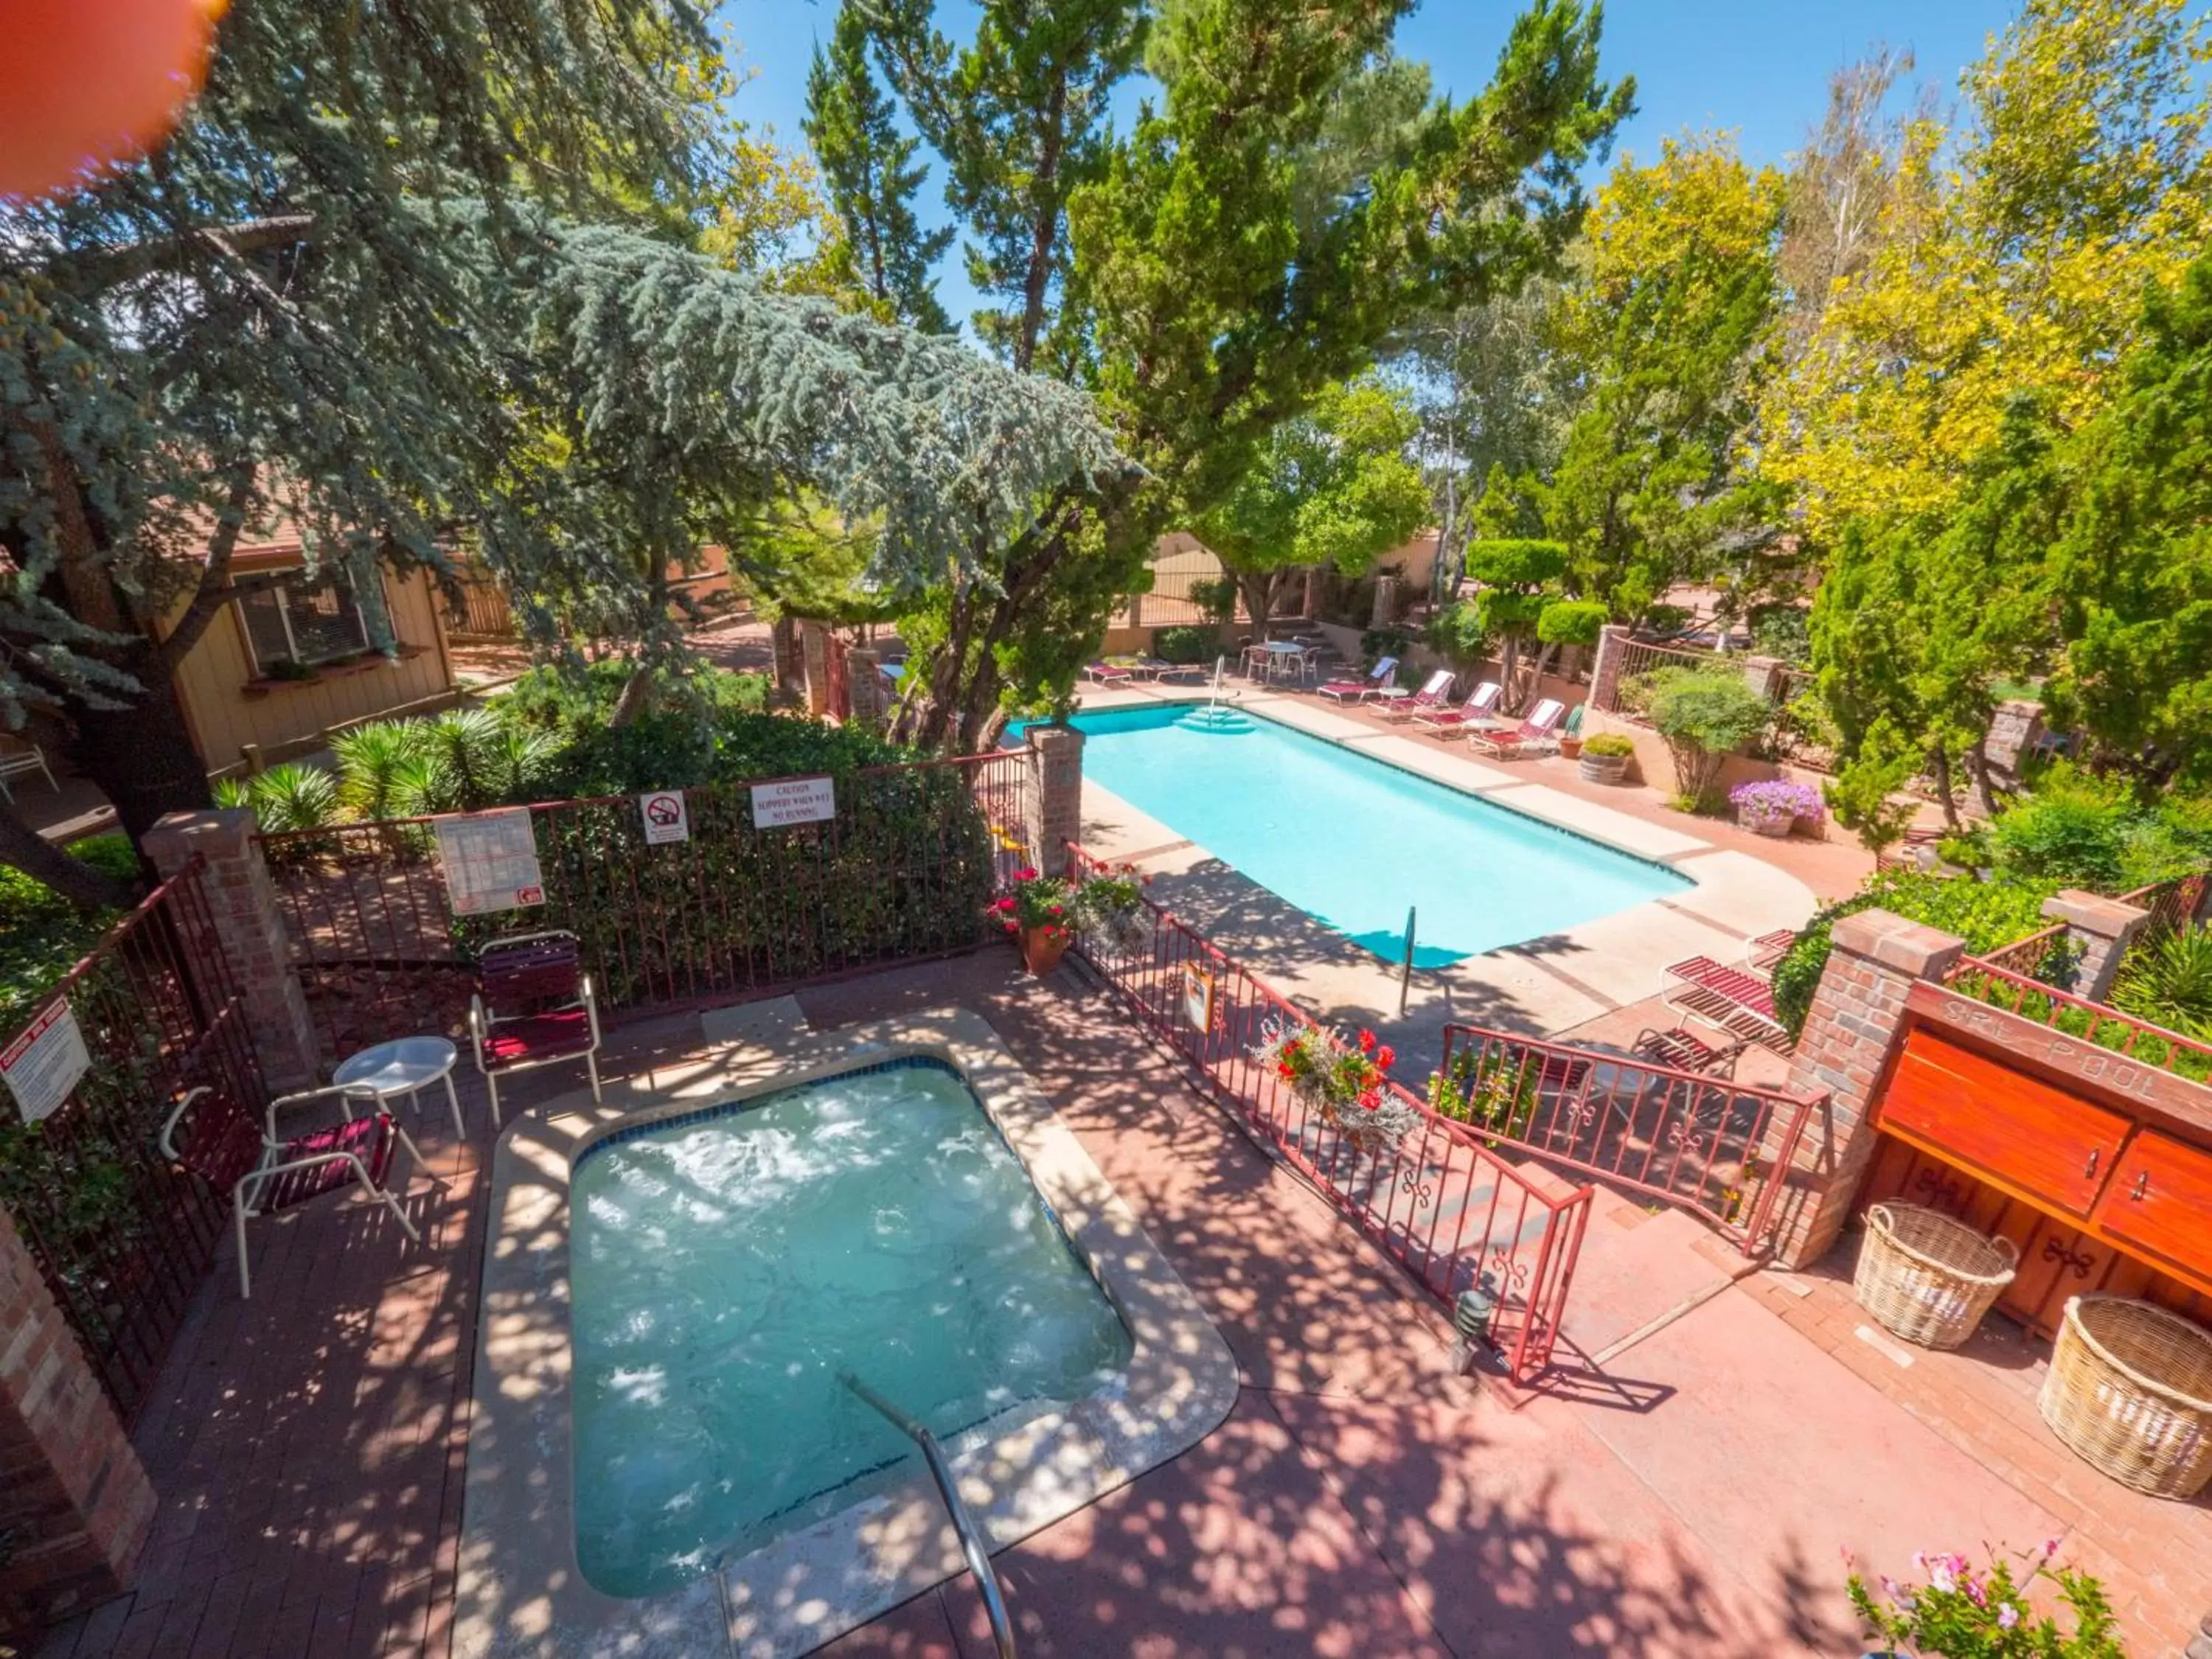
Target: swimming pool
x=1352, y=841
x=727, y=1267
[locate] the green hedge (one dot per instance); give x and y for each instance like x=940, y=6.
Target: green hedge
x=42, y=936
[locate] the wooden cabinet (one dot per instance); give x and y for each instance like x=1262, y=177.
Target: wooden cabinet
x=2050, y=1146
x=2160, y=1200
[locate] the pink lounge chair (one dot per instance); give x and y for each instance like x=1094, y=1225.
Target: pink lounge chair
x=1731, y=1000
x=1105, y=673
x=533, y=1006
x=1469, y=716
x=1400, y=704
x=1377, y=683
x=211, y=1134
x=1540, y=731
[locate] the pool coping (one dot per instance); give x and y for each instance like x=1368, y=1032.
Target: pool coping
x=520, y=1591
x=1582, y=972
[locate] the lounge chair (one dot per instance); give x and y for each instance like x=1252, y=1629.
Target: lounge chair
x=1681, y=1050
x=1731, y=1000
x=1540, y=731
x=1105, y=673
x=533, y=1006
x=1400, y=704
x=1378, y=682
x=211, y=1134
x=18, y=761
x=1768, y=949
x=1469, y=716
x=1160, y=669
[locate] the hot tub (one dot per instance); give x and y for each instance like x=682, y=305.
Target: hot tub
x=662, y=1451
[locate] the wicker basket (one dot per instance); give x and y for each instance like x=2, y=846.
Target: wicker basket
x=1928, y=1278
x=2130, y=1390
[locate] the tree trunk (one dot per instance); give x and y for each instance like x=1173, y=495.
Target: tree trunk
x=143, y=756
x=1939, y=766
x=1509, y=662
x=631, y=703
x=1978, y=770
x=1259, y=593
x=23, y=848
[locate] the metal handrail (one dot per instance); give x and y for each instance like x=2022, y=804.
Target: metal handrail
x=971, y=1536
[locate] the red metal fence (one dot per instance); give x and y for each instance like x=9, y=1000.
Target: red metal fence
x=1707, y=1143
x=904, y=869
x=2123, y=1035
x=1441, y=1204
x=123, y=1238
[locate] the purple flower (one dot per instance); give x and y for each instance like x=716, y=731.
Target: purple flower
x=2007, y=1616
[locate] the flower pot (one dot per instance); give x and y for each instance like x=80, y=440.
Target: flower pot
x=1601, y=768
x=1765, y=824
x=1570, y=748
x=1043, y=947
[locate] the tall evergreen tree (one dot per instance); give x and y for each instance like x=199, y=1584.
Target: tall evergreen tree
x=1019, y=117
x=873, y=178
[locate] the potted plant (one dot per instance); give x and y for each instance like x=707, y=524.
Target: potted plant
x=1346, y=1084
x=1961, y=1614
x=1045, y=915
x=1773, y=806
x=1605, y=757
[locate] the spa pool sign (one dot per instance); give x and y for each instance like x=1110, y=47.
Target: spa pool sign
x=793, y=801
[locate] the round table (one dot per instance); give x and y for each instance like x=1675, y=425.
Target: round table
x=404, y=1067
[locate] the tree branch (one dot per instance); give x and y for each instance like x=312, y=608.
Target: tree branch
x=110, y=265
x=215, y=576
x=23, y=848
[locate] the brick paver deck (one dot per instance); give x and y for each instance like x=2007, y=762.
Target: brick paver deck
x=1691, y=1498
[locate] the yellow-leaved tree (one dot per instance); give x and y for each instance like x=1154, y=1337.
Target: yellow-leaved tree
x=2006, y=259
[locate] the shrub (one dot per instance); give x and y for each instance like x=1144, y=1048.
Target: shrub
x=1186, y=644
x=293, y=796
x=1861, y=797
x=42, y=935
x=1961, y=1614
x=1987, y=914
x=1783, y=631
x=1609, y=743
x=2169, y=983
x=1456, y=634
x=1214, y=595
x=2075, y=830
x=1571, y=622
x=1705, y=714
x=1378, y=643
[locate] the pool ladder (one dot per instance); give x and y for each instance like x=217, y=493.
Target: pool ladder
x=972, y=1544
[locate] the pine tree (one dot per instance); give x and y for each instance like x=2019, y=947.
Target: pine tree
x=873, y=178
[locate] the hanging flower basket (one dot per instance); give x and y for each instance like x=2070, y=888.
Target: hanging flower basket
x=1344, y=1083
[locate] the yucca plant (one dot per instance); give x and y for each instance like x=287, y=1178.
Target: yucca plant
x=387, y=767
x=293, y=796
x=2169, y=983
x=467, y=745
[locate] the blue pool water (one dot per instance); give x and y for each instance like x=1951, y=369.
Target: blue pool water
x=1353, y=842
x=724, y=1268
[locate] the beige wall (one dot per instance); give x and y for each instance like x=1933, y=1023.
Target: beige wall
x=225, y=716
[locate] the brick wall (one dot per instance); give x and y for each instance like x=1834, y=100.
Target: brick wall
x=75, y=1502
x=1055, y=794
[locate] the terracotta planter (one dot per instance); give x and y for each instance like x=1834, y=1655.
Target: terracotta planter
x=1043, y=947
x=1774, y=828
x=1570, y=748
x=1601, y=768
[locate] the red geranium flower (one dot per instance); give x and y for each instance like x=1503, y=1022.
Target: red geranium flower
x=1372, y=1099
x=1287, y=1069
x=1385, y=1056
x=1366, y=1042
x=1025, y=875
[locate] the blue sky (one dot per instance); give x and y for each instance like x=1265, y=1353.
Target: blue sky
x=1758, y=68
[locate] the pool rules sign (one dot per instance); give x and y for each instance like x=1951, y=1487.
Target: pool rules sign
x=793, y=801
x=41, y=1066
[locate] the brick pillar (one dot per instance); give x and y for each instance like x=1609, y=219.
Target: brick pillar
x=1055, y=794
x=864, y=686
x=1605, y=672
x=1856, y=1020
x=814, y=657
x=1386, y=603
x=249, y=930
x=783, y=637
x=2101, y=929
x=75, y=1502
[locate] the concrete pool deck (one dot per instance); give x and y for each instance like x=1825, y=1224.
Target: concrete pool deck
x=1541, y=986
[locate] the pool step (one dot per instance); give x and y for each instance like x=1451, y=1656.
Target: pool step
x=1223, y=721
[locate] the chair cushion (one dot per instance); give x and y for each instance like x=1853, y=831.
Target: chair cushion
x=538, y=1037
x=217, y=1141
x=534, y=970
x=371, y=1139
